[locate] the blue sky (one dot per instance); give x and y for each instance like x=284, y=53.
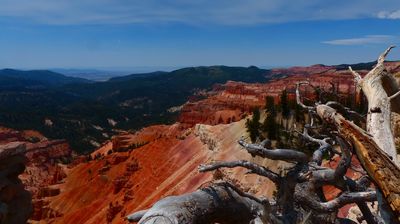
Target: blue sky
x=123, y=34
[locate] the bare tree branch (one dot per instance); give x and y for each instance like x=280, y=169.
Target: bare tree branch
x=298, y=96
x=357, y=77
x=312, y=139
x=254, y=168
x=342, y=200
x=345, y=111
x=382, y=57
x=320, y=177
x=394, y=95
x=360, y=185
x=135, y=217
x=376, y=72
x=379, y=166
x=345, y=160
x=391, y=88
x=263, y=201
x=275, y=154
x=324, y=146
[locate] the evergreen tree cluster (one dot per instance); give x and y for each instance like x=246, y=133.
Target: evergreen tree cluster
x=253, y=125
x=270, y=128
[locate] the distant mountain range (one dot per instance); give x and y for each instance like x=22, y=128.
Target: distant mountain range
x=11, y=78
x=91, y=74
x=107, y=73
x=87, y=113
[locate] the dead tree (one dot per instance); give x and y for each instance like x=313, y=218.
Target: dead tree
x=380, y=88
x=300, y=198
x=379, y=105
x=380, y=167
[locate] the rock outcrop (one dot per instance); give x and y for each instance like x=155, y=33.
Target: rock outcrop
x=15, y=201
x=43, y=167
x=44, y=171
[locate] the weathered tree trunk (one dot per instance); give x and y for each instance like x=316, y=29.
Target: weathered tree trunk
x=379, y=106
x=377, y=85
x=219, y=203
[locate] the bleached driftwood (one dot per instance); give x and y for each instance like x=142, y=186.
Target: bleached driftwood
x=379, y=105
x=219, y=203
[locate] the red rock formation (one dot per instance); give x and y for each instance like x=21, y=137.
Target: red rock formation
x=113, y=210
x=128, y=141
x=43, y=167
x=15, y=201
x=8, y=135
x=234, y=99
x=136, y=179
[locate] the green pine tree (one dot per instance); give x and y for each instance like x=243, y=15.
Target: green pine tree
x=269, y=125
x=270, y=105
x=253, y=125
x=285, y=104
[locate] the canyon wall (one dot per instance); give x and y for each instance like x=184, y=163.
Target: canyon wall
x=233, y=100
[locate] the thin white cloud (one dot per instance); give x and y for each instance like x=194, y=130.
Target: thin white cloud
x=369, y=39
x=219, y=12
x=389, y=14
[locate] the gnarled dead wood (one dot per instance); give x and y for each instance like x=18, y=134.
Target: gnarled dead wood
x=324, y=146
x=275, y=154
x=379, y=105
x=380, y=167
x=219, y=203
x=338, y=202
x=254, y=168
x=298, y=100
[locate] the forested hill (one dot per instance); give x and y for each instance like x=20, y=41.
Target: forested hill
x=87, y=113
x=11, y=78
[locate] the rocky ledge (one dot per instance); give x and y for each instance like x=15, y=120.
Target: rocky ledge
x=13, y=195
